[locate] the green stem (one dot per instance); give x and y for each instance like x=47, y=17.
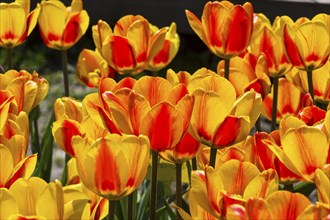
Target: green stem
x=213, y=155
x=112, y=208
x=227, y=65
x=178, y=169
x=194, y=163
x=65, y=171
x=130, y=207
x=10, y=58
x=274, y=107
x=153, y=197
x=64, y=56
x=310, y=83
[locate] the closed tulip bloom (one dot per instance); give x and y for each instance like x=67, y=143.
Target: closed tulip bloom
x=112, y=166
x=290, y=101
x=225, y=28
x=248, y=72
x=16, y=22
x=130, y=46
x=68, y=114
x=321, y=81
x=267, y=40
x=218, y=119
x=307, y=41
x=29, y=89
x=169, y=50
x=91, y=68
x=69, y=26
x=151, y=102
x=7, y=99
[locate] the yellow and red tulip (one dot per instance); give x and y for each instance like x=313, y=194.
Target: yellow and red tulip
x=304, y=148
x=267, y=40
x=246, y=73
x=218, y=119
x=169, y=50
x=7, y=100
x=112, y=166
x=290, y=101
x=225, y=28
x=69, y=26
x=16, y=22
x=321, y=81
x=322, y=182
x=91, y=68
x=68, y=114
x=29, y=89
x=152, y=101
x=307, y=41
x=232, y=183
x=130, y=46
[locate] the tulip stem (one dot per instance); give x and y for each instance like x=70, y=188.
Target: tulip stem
x=112, y=208
x=274, y=107
x=178, y=169
x=64, y=56
x=130, y=207
x=10, y=58
x=153, y=197
x=213, y=155
x=194, y=163
x=227, y=65
x=310, y=83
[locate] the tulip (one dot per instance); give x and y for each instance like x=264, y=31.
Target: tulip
x=247, y=73
x=91, y=68
x=69, y=26
x=6, y=101
x=169, y=50
x=304, y=149
x=290, y=101
x=29, y=89
x=225, y=28
x=232, y=183
x=321, y=82
x=218, y=119
x=307, y=44
x=267, y=40
x=130, y=46
x=112, y=166
x=16, y=24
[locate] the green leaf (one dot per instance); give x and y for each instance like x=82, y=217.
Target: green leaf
x=305, y=188
x=143, y=203
x=34, y=133
x=44, y=166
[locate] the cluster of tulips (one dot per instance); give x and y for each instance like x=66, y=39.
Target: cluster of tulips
x=209, y=119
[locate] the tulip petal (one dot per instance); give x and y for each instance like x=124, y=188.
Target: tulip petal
x=322, y=183
x=13, y=23
x=307, y=148
x=232, y=130
x=8, y=205
x=236, y=175
x=286, y=205
x=171, y=130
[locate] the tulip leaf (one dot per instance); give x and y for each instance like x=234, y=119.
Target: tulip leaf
x=34, y=133
x=44, y=167
x=143, y=203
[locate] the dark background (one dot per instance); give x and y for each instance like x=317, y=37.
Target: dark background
x=192, y=55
